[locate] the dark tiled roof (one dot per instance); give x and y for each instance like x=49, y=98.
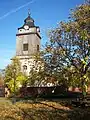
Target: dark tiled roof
x=28, y=18
x=28, y=21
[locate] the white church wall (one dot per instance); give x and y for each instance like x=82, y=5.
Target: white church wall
x=28, y=34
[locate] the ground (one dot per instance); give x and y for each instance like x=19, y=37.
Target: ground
x=41, y=110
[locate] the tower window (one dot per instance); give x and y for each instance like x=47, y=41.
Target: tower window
x=24, y=67
x=25, y=47
x=37, y=47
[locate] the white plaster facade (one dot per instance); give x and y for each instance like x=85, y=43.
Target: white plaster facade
x=28, y=62
x=28, y=35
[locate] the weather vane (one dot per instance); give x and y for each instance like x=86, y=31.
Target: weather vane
x=29, y=12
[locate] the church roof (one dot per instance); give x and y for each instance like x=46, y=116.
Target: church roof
x=28, y=21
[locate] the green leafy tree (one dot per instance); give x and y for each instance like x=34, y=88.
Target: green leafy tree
x=69, y=47
x=1, y=79
x=39, y=76
x=37, y=73
x=14, y=78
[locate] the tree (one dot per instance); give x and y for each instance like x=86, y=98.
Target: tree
x=69, y=46
x=37, y=72
x=38, y=75
x=1, y=79
x=13, y=75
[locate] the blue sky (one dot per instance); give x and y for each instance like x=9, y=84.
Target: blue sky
x=46, y=13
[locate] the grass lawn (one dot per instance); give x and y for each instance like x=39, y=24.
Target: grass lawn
x=40, y=110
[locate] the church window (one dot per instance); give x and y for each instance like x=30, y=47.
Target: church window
x=37, y=47
x=25, y=47
x=24, y=67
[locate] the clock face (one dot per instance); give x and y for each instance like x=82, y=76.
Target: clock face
x=38, y=30
x=26, y=27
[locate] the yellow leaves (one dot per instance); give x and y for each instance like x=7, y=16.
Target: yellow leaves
x=48, y=49
x=61, y=51
x=85, y=76
x=41, y=110
x=84, y=34
x=8, y=112
x=54, y=105
x=81, y=11
x=83, y=61
x=27, y=111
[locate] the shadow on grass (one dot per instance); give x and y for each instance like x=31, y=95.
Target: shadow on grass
x=40, y=109
x=44, y=114
x=50, y=112
x=8, y=118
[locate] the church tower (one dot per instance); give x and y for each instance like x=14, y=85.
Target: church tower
x=27, y=43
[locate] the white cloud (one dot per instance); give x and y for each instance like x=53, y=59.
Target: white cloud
x=17, y=9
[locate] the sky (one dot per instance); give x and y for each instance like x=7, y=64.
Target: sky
x=46, y=14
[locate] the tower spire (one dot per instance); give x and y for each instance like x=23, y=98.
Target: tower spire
x=29, y=12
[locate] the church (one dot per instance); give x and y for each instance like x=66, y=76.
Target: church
x=27, y=43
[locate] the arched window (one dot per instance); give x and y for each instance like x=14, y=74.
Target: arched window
x=24, y=67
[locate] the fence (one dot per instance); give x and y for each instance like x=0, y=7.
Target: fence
x=35, y=91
